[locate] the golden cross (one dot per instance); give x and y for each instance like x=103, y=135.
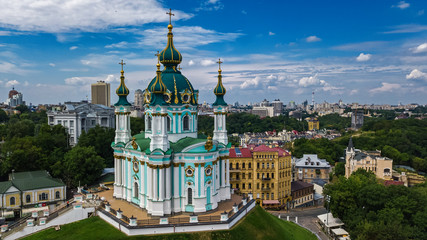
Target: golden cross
x=122, y=63
x=219, y=62
x=170, y=15
x=158, y=56
x=179, y=68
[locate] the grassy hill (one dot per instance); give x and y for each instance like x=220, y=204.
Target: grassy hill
x=257, y=225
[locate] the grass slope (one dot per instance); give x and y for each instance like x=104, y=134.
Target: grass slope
x=257, y=225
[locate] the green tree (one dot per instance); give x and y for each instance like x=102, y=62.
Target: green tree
x=137, y=125
x=3, y=116
x=100, y=138
x=19, y=128
x=80, y=165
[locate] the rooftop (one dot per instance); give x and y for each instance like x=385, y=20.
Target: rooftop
x=311, y=160
x=298, y=185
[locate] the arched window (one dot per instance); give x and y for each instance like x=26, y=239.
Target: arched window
x=148, y=123
x=28, y=198
x=12, y=201
x=43, y=196
x=189, y=196
x=57, y=194
x=186, y=123
x=135, y=190
x=168, y=124
x=250, y=165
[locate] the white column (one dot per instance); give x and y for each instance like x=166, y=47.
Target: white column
x=149, y=182
x=179, y=123
x=227, y=175
x=223, y=169
x=161, y=183
x=197, y=181
x=176, y=181
x=129, y=180
x=155, y=185
x=182, y=180
x=202, y=181
x=168, y=182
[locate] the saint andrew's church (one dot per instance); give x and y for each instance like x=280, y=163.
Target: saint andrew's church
x=168, y=168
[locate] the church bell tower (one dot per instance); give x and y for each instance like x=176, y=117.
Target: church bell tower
x=220, y=110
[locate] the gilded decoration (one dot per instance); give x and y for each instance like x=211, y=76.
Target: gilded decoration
x=209, y=144
x=208, y=171
x=186, y=96
x=167, y=97
x=189, y=171
x=134, y=144
x=147, y=96
x=135, y=165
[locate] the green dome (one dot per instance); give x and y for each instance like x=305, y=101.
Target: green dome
x=170, y=56
x=122, y=91
x=178, y=88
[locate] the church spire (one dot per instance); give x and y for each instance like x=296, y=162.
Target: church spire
x=158, y=86
x=219, y=90
x=122, y=91
x=170, y=56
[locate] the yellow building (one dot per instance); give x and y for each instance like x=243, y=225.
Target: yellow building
x=313, y=123
x=263, y=171
x=27, y=189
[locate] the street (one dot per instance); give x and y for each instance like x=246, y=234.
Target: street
x=307, y=217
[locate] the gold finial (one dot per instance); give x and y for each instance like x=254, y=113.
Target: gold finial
x=219, y=63
x=170, y=16
x=122, y=63
x=179, y=68
x=158, y=60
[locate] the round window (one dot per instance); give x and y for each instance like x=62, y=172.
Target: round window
x=208, y=171
x=189, y=172
x=166, y=97
x=185, y=98
x=135, y=166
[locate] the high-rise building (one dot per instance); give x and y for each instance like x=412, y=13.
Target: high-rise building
x=277, y=107
x=139, y=99
x=101, y=93
x=263, y=171
x=357, y=119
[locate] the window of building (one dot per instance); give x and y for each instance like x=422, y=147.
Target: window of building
x=272, y=175
x=71, y=123
x=268, y=175
x=149, y=123
x=243, y=186
x=186, y=123
x=93, y=122
x=262, y=165
x=237, y=165
x=268, y=185
x=268, y=196
x=272, y=196
x=168, y=124
x=268, y=165
x=257, y=186
x=104, y=121
x=243, y=165
x=57, y=194
x=243, y=176
x=12, y=201
x=272, y=185
x=249, y=165
x=60, y=122
x=28, y=198
x=257, y=165
x=272, y=165
x=257, y=175
x=135, y=190
x=250, y=176
x=190, y=196
x=237, y=185
x=263, y=196
x=250, y=186
x=231, y=185
x=43, y=196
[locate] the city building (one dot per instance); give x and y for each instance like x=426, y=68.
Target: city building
x=101, y=93
x=310, y=168
x=15, y=98
x=81, y=116
x=302, y=194
x=263, y=112
x=139, y=99
x=313, y=123
x=368, y=160
x=24, y=190
x=277, y=107
x=263, y=171
x=168, y=168
x=357, y=119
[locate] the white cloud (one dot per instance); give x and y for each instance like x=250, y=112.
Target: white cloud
x=251, y=83
x=416, y=74
x=402, y=5
x=191, y=63
x=408, y=28
x=52, y=64
x=354, y=91
x=363, y=57
x=244, y=12
x=420, y=48
x=421, y=12
x=88, y=80
x=122, y=44
x=210, y=5
x=26, y=84
x=386, y=87
x=12, y=83
x=207, y=62
x=312, y=39
x=81, y=15
x=310, y=81
x=271, y=33
x=73, y=48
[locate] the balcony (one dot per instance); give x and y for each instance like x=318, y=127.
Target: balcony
x=265, y=189
x=235, y=170
x=266, y=179
x=235, y=179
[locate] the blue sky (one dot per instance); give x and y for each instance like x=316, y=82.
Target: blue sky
x=357, y=51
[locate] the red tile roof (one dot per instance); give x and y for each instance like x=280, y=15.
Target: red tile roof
x=245, y=153
x=264, y=148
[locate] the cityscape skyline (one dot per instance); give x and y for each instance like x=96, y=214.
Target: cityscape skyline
x=359, y=52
